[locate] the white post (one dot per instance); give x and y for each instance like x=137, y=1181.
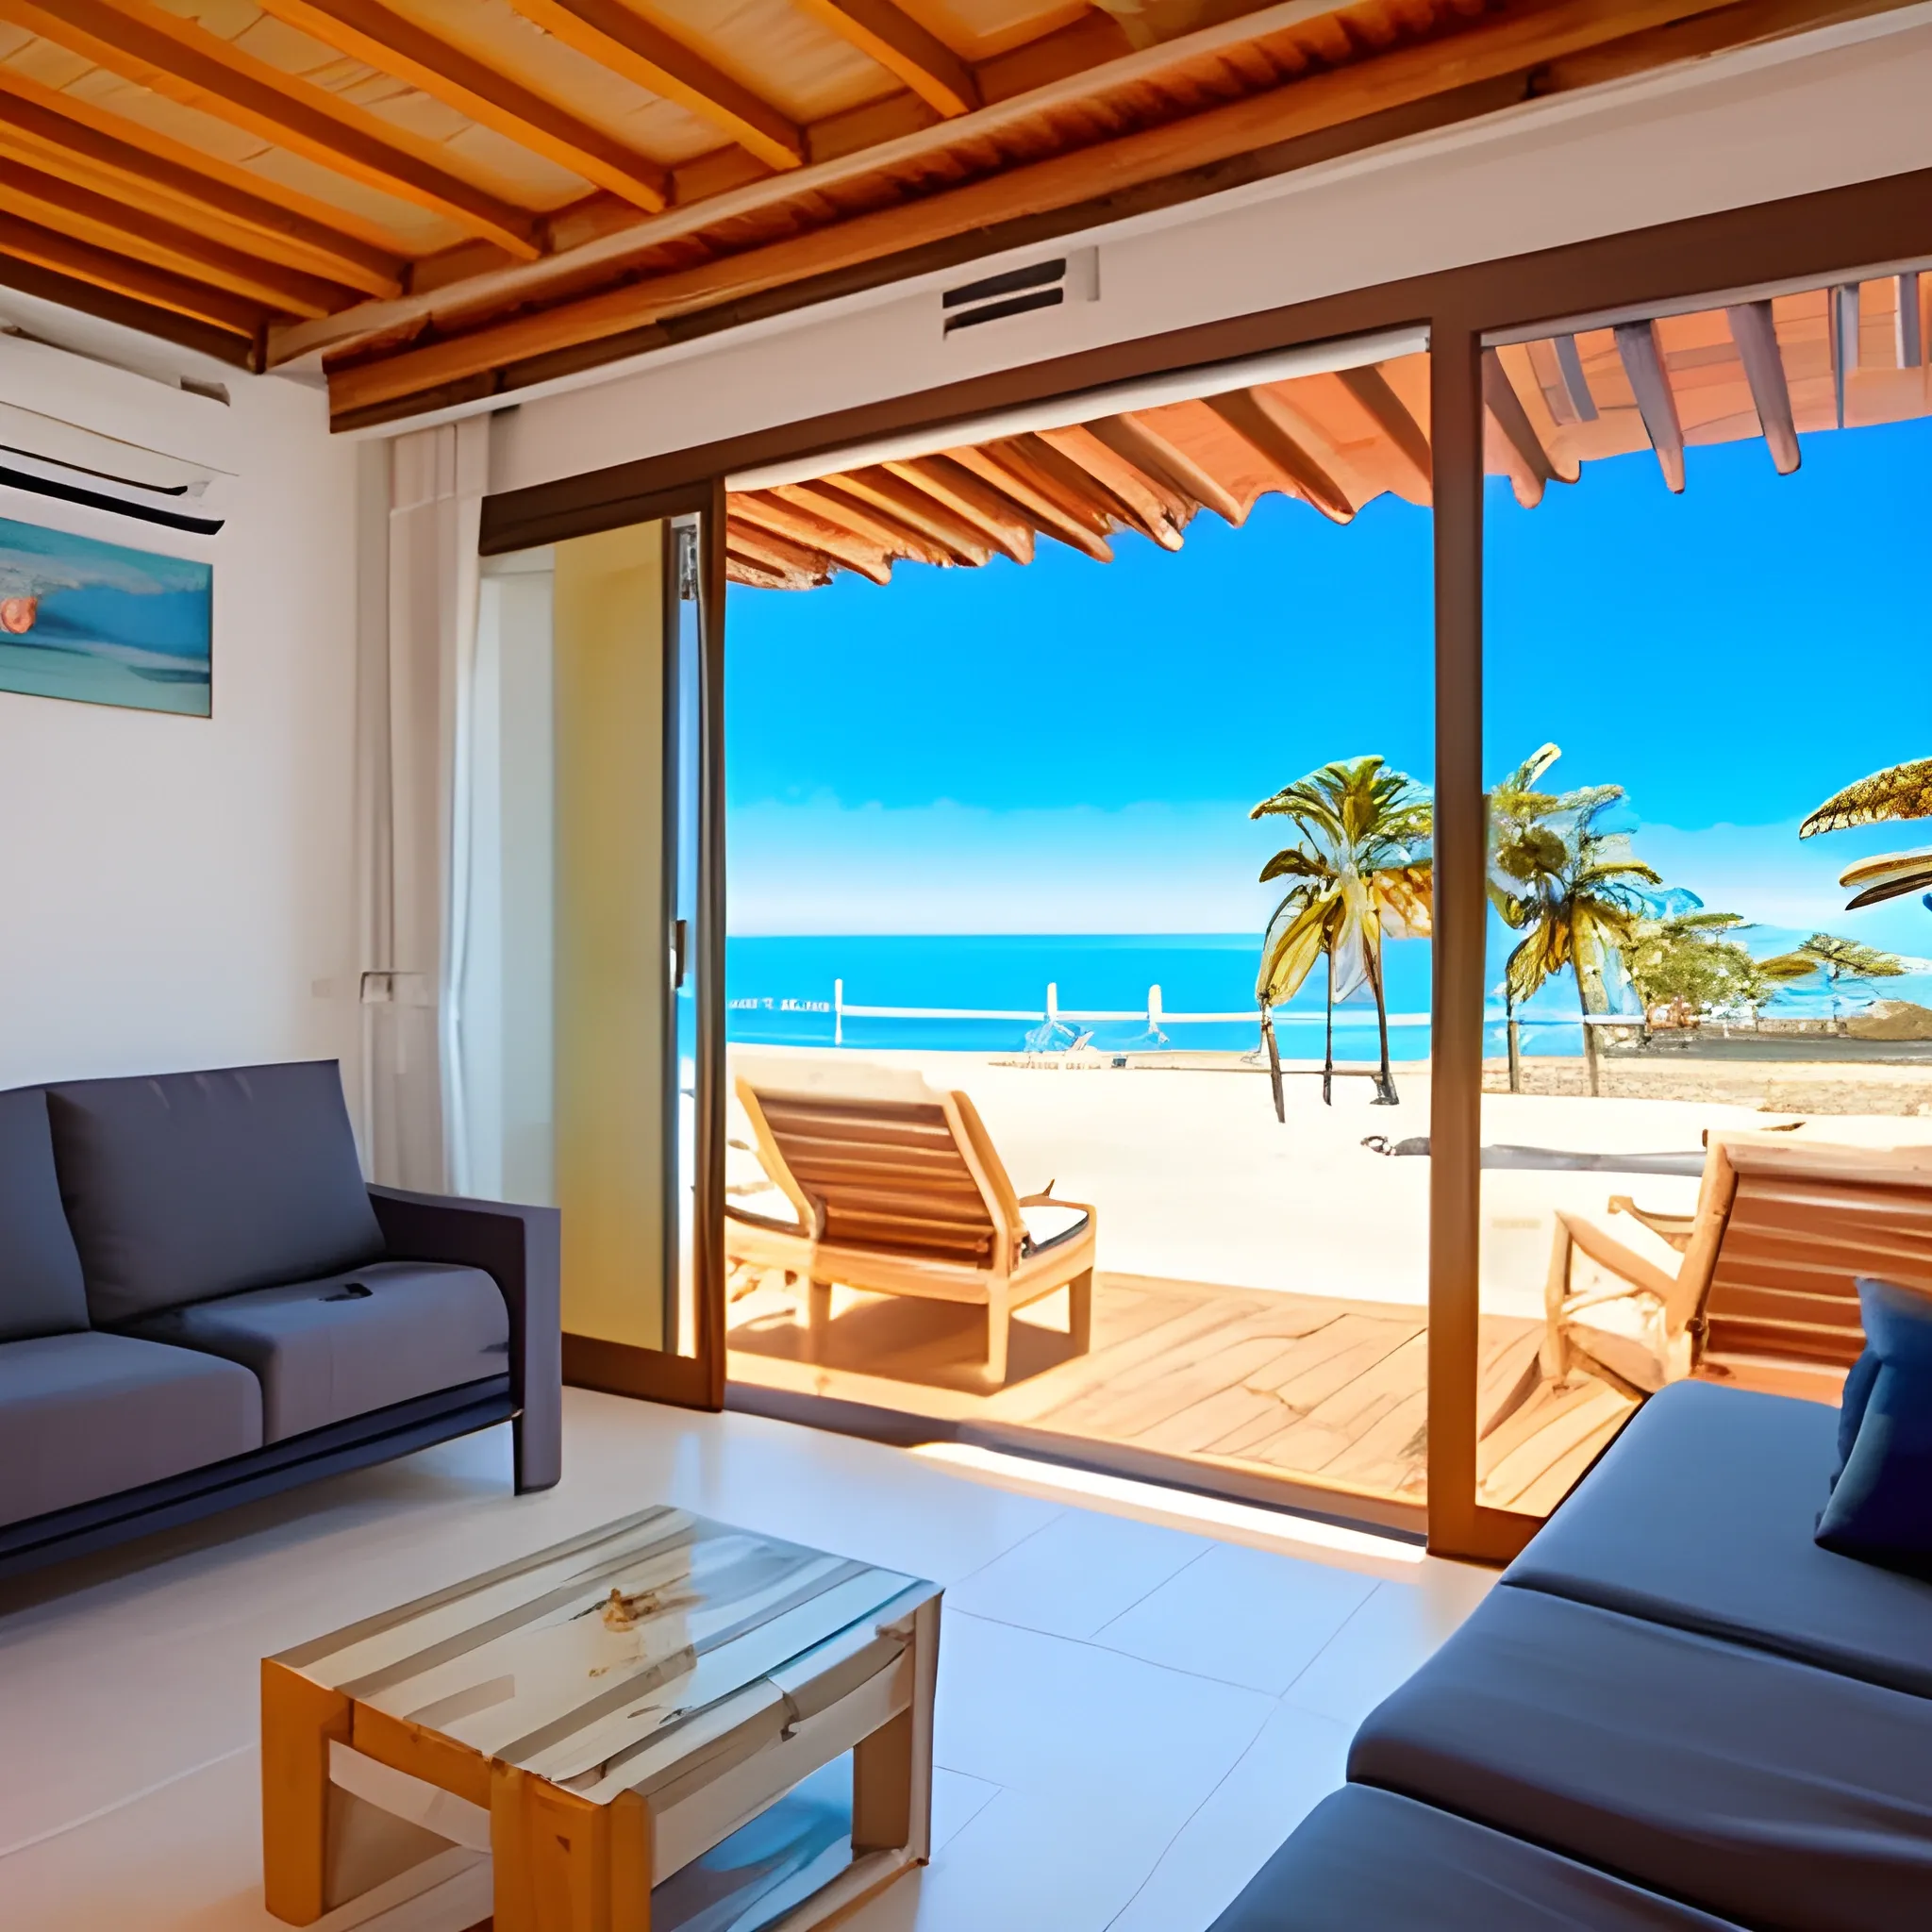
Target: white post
x=838, y=1012
x=1154, y=1009
x=1053, y=1003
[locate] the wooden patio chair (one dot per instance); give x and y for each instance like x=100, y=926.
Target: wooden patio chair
x=1765, y=1293
x=897, y=1188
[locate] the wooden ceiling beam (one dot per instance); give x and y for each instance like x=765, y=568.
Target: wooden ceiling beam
x=91, y=216
x=1492, y=46
x=200, y=70
x=36, y=126
x=1531, y=469
x=1006, y=467
x=140, y=280
x=1301, y=475
x=1145, y=503
x=740, y=569
x=780, y=555
x=393, y=44
x=897, y=42
x=1755, y=331
x=918, y=512
x=854, y=551
x=960, y=491
x=1643, y=356
x=1390, y=413
x=610, y=33
x=827, y=499
x=91, y=298
x=1150, y=449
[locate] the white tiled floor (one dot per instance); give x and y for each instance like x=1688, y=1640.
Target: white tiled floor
x=1130, y=1717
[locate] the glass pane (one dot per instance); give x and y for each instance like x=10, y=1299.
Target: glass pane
x=683, y=741
x=1000, y=821
x=1689, y=650
x=575, y=840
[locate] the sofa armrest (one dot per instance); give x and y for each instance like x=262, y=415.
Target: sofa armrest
x=518, y=1248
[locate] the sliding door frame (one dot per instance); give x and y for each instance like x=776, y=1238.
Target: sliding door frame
x=1838, y=234
x=696, y=1380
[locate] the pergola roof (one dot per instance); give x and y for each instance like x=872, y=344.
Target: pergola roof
x=1337, y=440
x=444, y=200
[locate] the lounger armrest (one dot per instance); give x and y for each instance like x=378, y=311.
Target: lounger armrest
x=518, y=1248
x=1644, y=1276
x=1054, y=1201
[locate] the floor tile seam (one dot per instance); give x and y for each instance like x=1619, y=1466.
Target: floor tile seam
x=1059, y=1510
x=1126, y=1656
x=26, y=1844
x=1206, y=1798
x=1335, y=1637
x=1172, y=1577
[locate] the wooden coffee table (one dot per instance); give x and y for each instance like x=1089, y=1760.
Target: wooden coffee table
x=592, y=1720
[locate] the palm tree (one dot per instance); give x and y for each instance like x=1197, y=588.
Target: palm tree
x=1842, y=962
x=1521, y=847
x=1899, y=791
x=1570, y=887
x=1360, y=870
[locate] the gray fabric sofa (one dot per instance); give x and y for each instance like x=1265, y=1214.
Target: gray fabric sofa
x=1674, y=1709
x=201, y=1302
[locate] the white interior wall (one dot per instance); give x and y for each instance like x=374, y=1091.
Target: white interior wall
x=1816, y=112
x=179, y=892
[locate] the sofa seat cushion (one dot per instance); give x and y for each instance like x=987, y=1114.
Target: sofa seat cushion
x=182, y=1186
x=336, y=1347
x=41, y=1291
x=1369, y=1861
x=90, y=1415
x=1765, y=1791
x=1701, y=1514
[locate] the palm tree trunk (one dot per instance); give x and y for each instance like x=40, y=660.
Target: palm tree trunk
x=1274, y=1064
x=1514, y=1029
x=1328, y=1037
x=1385, y=1081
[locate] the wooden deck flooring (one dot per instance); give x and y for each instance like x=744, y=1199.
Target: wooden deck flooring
x=1270, y=1385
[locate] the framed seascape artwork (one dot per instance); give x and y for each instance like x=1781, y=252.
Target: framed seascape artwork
x=104, y=623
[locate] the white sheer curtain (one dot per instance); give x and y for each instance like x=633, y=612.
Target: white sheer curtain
x=418, y=657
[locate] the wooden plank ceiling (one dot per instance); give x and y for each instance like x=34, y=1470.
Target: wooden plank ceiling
x=1823, y=359
x=443, y=200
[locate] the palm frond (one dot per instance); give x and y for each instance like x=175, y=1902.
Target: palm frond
x=1899, y=791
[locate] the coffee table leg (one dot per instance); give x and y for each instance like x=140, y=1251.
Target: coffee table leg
x=299, y=1717
x=563, y=1864
x=891, y=1770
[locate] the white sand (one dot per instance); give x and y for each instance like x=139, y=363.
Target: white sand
x=1193, y=1178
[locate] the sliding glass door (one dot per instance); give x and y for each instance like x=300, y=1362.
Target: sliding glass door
x=591, y=982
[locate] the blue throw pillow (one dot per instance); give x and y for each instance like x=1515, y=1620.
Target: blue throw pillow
x=1881, y=1504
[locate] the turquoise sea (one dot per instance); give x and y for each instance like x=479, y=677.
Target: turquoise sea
x=780, y=992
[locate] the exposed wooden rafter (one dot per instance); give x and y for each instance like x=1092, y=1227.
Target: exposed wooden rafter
x=123, y=275
x=1300, y=474
x=172, y=57
x=393, y=44
x=99, y=219
x=1402, y=434
x=958, y=490
x=913, y=508
x=1530, y=468
x=39, y=125
x=1643, y=356
x=1149, y=507
x=1007, y=468
x=898, y=43
x=1755, y=331
x=611, y=34
x=1486, y=47
x=1158, y=456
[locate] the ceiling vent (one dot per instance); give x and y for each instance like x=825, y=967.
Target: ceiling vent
x=1020, y=291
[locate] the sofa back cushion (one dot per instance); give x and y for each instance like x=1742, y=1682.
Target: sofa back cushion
x=183, y=1186
x=40, y=1287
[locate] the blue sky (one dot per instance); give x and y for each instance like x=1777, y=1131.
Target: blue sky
x=1072, y=746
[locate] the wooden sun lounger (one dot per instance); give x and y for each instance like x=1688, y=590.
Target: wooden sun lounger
x=1766, y=1292
x=897, y=1188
